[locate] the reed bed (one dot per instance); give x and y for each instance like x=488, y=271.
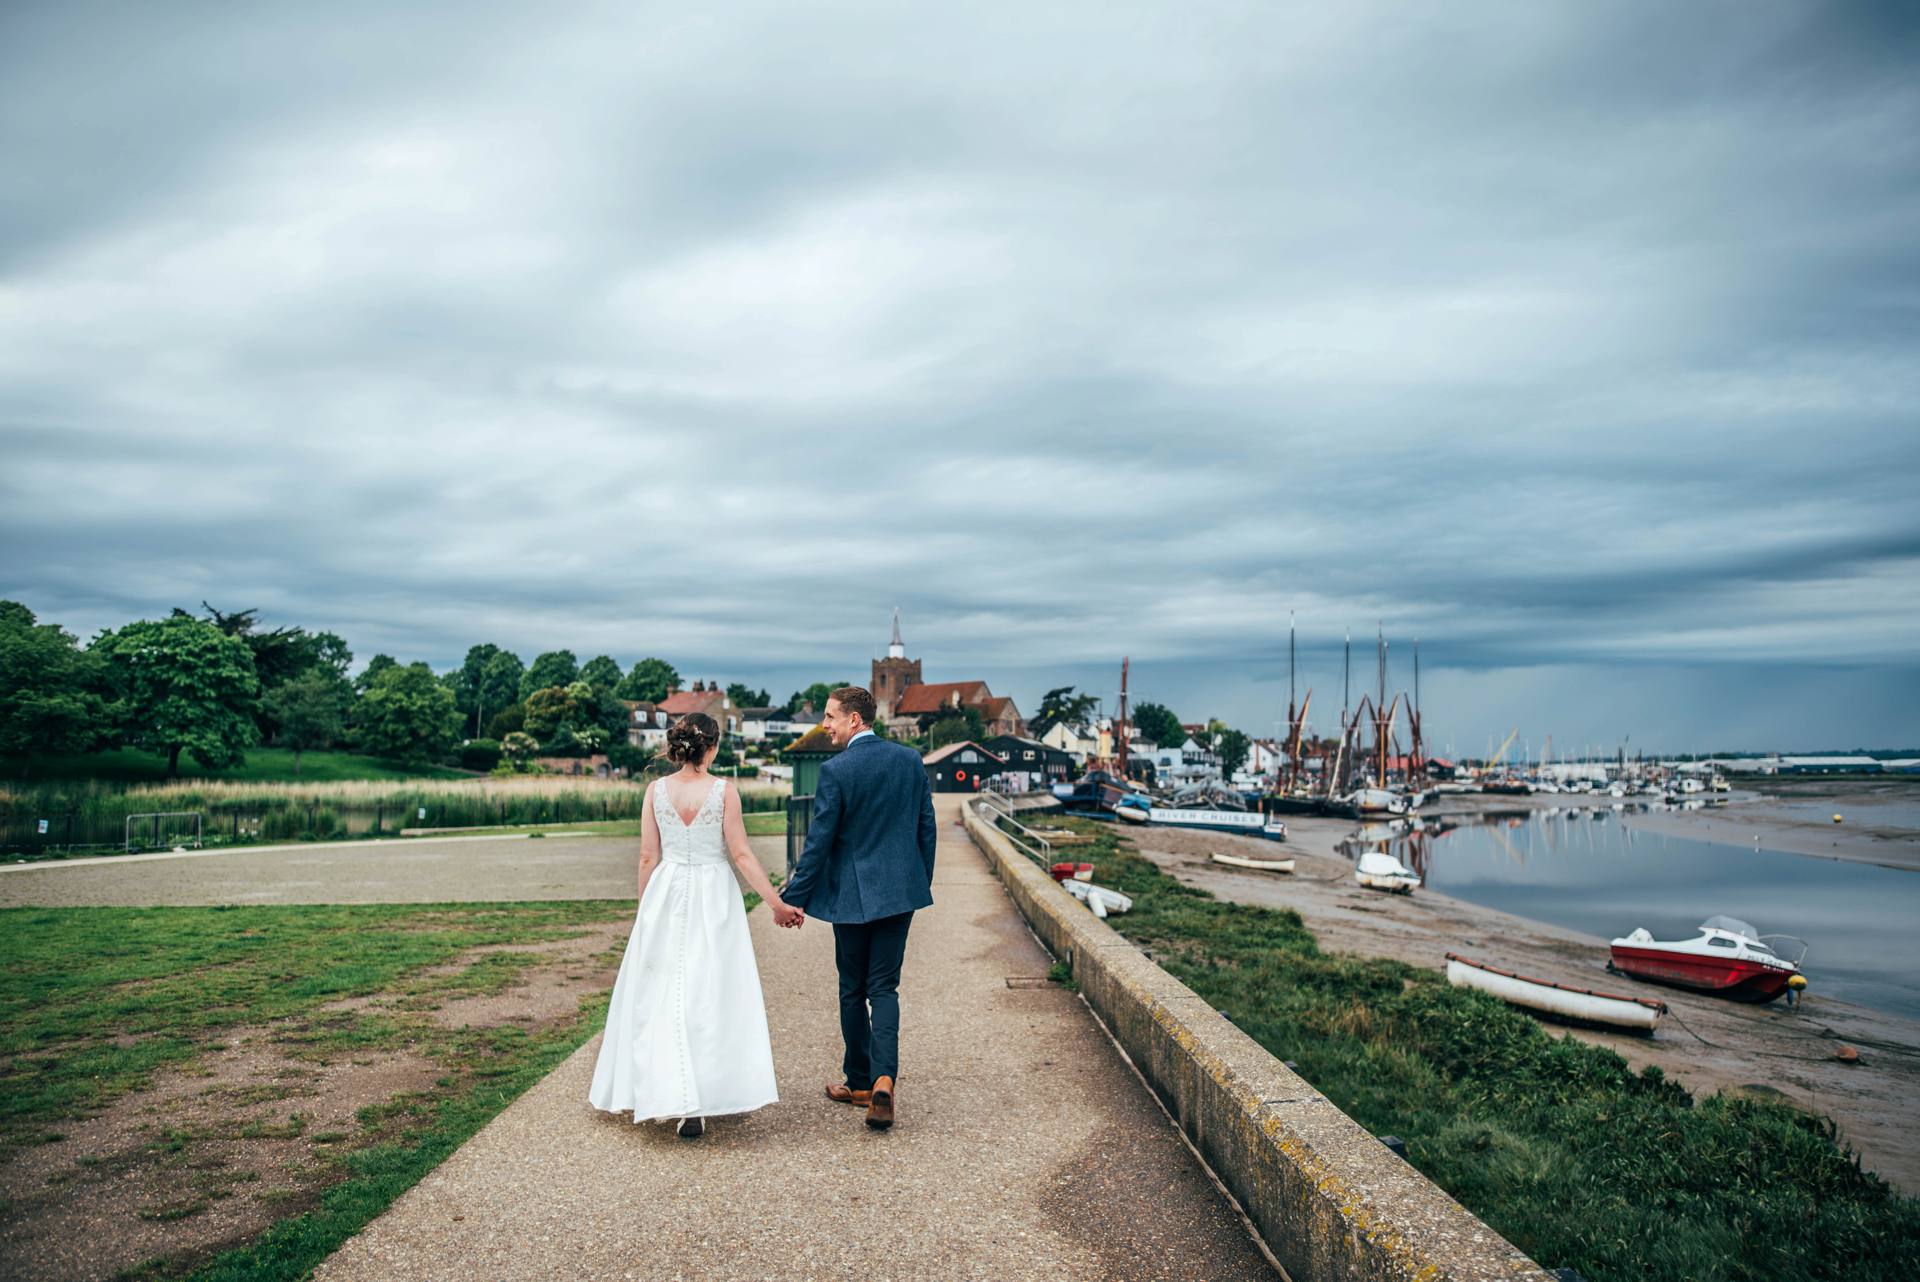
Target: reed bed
x=93, y=814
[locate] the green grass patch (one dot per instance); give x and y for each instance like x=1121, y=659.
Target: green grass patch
x=95, y=1001
x=1554, y=1142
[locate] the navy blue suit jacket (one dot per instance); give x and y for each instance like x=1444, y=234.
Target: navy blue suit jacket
x=869, y=851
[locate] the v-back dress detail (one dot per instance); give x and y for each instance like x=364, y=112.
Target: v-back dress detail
x=686, y=1031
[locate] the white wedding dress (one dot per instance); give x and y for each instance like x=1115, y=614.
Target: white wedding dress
x=687, y=1031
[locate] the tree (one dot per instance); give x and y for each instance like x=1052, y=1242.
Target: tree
x=816, y=694
x=649, y=681
x=407, y=715
x=1231, y=745
x=1061, y=704
x=745, y=696
x=311, y=710
x=378, y=664
x=183, y=684
x=487, y=681
x=506, y=721
x=1158, y=725
x=955, y=728
x=554, y=668
x=279, y=655
x=54, y=696
x=570, y=708
x=602, y=673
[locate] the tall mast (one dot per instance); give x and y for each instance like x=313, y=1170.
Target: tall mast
x=1120, y=725
x=1293, y=721
x=1346, y=682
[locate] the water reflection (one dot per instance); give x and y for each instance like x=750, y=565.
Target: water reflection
x=1586, y=869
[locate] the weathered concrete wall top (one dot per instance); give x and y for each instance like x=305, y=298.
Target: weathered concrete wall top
x=1329, y=1199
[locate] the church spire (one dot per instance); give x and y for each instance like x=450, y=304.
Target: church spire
x=896, y=649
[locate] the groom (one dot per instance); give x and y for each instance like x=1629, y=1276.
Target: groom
x=867, y=866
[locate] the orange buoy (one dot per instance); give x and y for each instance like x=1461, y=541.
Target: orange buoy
x=1847, y=1055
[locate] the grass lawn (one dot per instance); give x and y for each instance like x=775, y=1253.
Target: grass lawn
x=263, y=765
x=1554, y=1142
x=96, y=1004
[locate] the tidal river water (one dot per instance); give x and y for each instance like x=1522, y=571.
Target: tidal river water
x=1589, y=871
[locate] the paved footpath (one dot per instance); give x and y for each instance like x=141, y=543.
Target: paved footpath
x=1025, y=1147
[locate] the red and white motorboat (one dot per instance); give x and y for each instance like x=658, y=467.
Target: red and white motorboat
x=1727, y=957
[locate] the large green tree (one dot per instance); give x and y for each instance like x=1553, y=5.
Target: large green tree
x=554, y=668
x=54, y=696
x=556, y=708
x=1231, y=745
x=487, y=681
x=311, y=710
x=1158, y=725
x=1062, y=704
x=649, y=681
x=406, y=715
x=377, y=665
x=279, y=655
x=183, y=685
x=601, y=672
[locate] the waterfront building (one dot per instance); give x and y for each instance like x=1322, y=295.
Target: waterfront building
x=1030, y=764
x=961, y=767
x=908, y=705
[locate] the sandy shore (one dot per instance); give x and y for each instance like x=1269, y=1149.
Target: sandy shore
x=1779, y=822
x=1876, y=1102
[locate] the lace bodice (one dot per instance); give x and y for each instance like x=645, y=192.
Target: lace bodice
x=695, y=842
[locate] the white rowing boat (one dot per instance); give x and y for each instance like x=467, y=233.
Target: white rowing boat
x=1379, y=871
x=1262, y=865
x=1560, y=1001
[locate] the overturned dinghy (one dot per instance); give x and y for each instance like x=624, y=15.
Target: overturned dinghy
x=1380, y=871
x=1261, y=865
x=1558, y=1001
x=1098, y=899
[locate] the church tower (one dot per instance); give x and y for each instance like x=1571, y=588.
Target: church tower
x=893, y=674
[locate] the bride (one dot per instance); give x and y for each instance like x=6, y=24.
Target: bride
x=686, y=1033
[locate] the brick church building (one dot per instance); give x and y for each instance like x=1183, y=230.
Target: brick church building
x=909, y=705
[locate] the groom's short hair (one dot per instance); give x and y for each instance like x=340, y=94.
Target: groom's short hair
x=857, y=700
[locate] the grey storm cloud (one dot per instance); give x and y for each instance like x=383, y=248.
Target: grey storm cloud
x=1555, y=335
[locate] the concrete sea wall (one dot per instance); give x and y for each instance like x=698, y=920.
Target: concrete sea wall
x=1329, y=1199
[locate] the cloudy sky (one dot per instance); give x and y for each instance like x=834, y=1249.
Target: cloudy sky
x=1578, y=341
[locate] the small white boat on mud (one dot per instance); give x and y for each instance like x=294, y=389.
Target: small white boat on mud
x=1259, y=865
x=1099, y=900
x=1557, y=1001
x=1380, y=871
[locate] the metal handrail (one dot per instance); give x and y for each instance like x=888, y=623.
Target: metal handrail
x=992, y=795
x=1045, y=851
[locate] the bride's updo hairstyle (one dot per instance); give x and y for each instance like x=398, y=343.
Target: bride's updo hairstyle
x=691, y=738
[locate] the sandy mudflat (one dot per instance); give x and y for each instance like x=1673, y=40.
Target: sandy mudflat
x=1875, y=1102
x=1781, y=818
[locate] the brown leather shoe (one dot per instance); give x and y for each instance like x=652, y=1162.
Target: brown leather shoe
x=843, y=1094
x=880, y=1107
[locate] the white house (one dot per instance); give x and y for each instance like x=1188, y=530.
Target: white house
x=756, y=724
x=1075, y=741
x=1188, y=763
x=646, y=725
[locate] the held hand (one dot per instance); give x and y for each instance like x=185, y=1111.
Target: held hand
x=784, y=915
